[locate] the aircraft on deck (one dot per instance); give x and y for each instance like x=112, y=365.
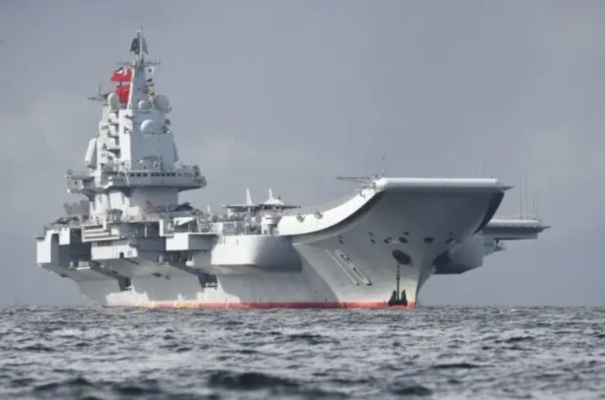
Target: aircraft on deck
x=273, y=203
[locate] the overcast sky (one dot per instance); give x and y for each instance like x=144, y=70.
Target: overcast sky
x=259, y=89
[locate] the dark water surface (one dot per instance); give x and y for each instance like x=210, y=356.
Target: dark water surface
x=426, y=353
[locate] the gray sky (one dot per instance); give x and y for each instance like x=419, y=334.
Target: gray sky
x=259, y=88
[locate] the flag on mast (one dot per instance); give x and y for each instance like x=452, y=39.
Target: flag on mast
x=123, y=92
x=122, y=75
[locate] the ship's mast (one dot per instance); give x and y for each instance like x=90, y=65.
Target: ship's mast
x=139, y=88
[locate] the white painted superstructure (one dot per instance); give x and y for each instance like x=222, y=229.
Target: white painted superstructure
x=131, y=243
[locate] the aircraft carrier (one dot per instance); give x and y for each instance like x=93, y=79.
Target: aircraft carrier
x=130, y=242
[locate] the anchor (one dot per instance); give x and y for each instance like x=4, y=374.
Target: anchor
x=396, y=299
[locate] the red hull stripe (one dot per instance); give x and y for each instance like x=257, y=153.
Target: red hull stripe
x=269, y=305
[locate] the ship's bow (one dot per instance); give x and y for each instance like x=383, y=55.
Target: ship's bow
x=392, y=242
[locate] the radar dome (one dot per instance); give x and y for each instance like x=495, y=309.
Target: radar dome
x=144, y=104
x=161, y=103
x=149, y=126
x=113, y=101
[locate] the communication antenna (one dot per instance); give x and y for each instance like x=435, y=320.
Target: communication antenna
x=98, y=96
x=480, y=166
x=316, y=162
x=536, y=207
x=526, y=196
x=525, y=202
x=384, y=165
x=521, y=197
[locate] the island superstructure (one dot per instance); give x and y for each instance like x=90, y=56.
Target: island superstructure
x=130, y=242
